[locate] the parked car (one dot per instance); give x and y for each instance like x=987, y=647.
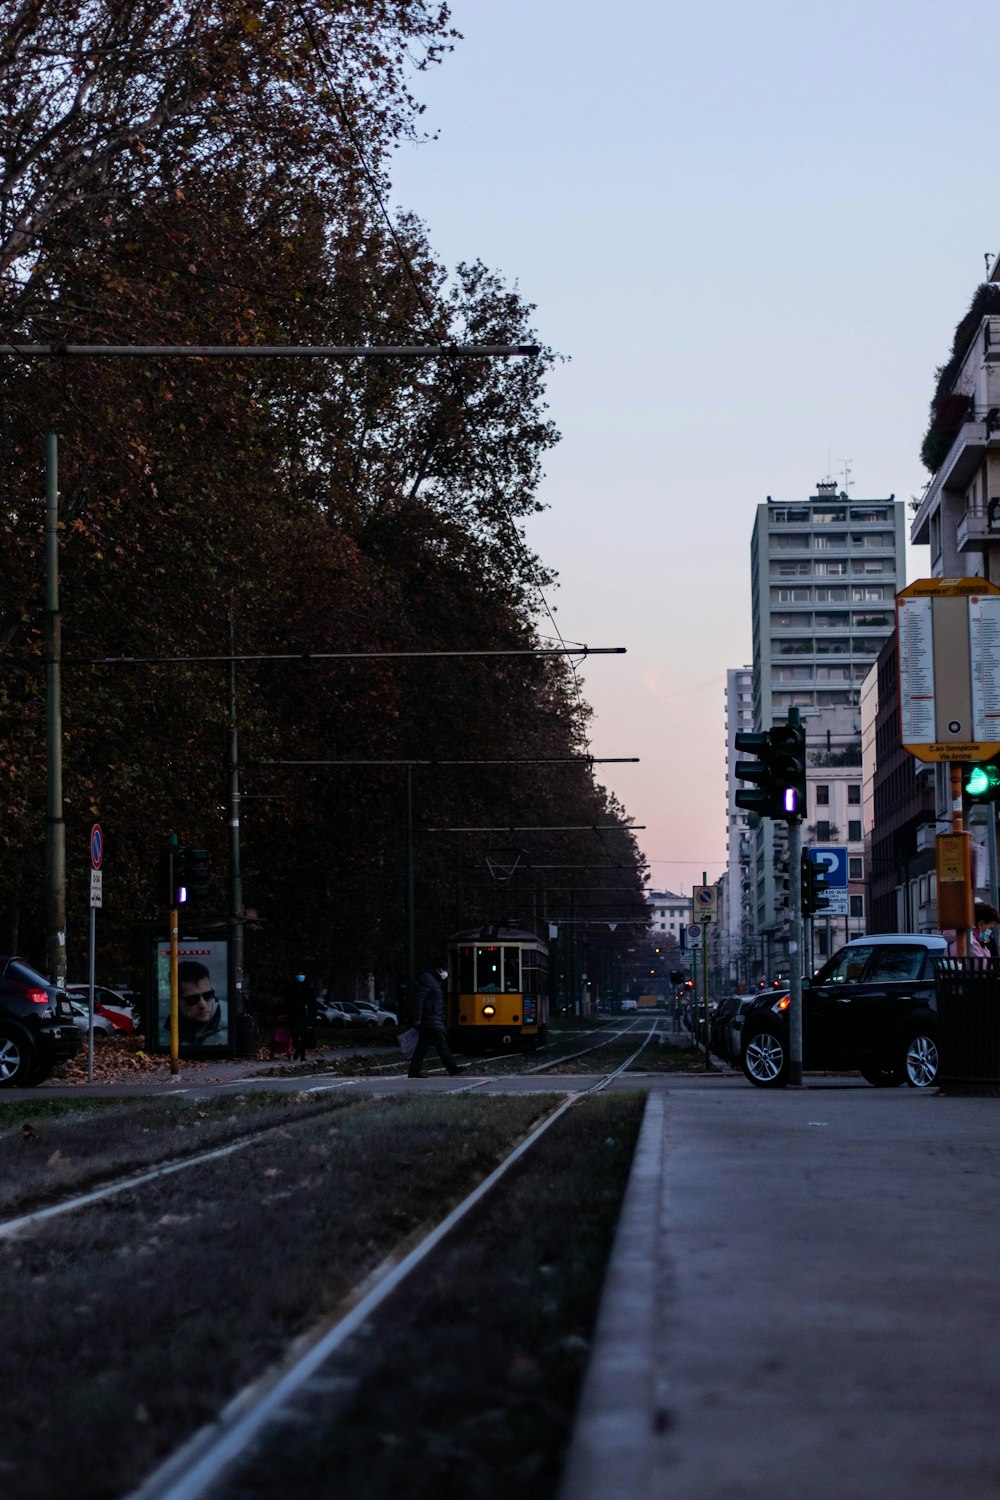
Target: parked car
x=718, y=1028
x=102, y=1026
x=735, y=1028
x=872, y=1008
x=382, y=1017
x=357, y=1013
x=37, y=1029
x=331, y=1013
x=108, y=1003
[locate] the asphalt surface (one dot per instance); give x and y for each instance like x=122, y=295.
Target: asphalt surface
x=803, y=1301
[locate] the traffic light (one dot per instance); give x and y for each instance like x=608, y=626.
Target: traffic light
x=779, y=771
x=198, y=864
x=172, y=882
x=182, y=873
x=814, y=885
x=788, y=743
x=982, y=782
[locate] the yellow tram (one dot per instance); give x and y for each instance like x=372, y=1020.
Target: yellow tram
x=498, y=990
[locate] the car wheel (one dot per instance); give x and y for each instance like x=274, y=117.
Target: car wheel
x=765, y=1059
x=17, y=1058
x=882, y=1078
x=920, y=1059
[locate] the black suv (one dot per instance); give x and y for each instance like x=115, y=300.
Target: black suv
x=37, y=1029
x=872, y=1009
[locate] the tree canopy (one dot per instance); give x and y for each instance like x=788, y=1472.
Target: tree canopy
x=190, y=174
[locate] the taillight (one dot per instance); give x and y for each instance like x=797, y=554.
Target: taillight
x=37, y=997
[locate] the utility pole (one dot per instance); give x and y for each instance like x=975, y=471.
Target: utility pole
x=55, y=826
x=235, y=871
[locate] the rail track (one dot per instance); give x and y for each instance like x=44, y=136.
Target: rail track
x=156, y=1203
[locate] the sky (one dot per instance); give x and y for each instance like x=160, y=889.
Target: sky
x=751, y=230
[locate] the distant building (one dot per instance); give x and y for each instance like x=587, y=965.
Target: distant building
x=824, y=574
x=670, y=914
x=898, y=814
x=740, y=913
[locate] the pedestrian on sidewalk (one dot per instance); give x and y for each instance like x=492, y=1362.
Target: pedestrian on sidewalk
x=982, y=937
x=428, y=1017
x=300, y=1008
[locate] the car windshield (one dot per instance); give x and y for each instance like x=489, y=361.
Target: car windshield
x=845, y=967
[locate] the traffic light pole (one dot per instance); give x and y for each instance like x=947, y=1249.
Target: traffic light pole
x=795, y=950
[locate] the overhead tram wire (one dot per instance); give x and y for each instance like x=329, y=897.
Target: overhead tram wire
x=432, y=316
x=305, y=657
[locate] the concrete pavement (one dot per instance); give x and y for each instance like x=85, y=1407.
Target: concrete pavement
x=803, y=1301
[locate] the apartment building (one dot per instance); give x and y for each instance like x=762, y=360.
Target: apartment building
x=898, y=810
x=959, y=513
x=824, y=575
x=740, y=913
x=670, y=914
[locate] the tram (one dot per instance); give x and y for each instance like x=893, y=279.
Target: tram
x=498, y=990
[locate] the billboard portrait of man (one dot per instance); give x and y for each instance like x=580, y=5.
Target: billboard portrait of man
x=202, y=995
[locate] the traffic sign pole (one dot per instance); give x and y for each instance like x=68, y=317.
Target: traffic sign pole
x=795, y=951
x=96, y=900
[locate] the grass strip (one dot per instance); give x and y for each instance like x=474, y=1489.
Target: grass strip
x=63, y=1147
x=465, y=1384
x=128, y=1325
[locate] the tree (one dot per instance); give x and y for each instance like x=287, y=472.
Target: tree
x=317, y=507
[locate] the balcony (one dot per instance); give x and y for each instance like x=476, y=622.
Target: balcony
x=980, y=526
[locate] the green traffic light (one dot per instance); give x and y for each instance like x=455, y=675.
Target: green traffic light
x=983, y=781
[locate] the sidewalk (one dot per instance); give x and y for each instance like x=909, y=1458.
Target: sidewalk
x=803, y=1301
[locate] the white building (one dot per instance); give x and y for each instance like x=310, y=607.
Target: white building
x=824, y=575
x=670, y=914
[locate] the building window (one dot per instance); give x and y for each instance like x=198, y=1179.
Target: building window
x=854, y=831
x=823, y=796
x=823, y=830
x=831, y=569
x=857, y=905
x=854, y=792
x=855, y=868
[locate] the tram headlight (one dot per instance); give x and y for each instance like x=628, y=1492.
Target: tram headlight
x=489, y=1010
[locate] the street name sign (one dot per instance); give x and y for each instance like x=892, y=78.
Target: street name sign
x=948, y=648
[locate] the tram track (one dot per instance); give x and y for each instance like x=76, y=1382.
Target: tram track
x=153, y=1202
x=194, y=1473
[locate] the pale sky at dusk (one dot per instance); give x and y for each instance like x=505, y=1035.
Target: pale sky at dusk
x=752, y=230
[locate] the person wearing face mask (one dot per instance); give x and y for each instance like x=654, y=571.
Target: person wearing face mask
x=982, y=941
x=429, y=1019
x=300, y=1008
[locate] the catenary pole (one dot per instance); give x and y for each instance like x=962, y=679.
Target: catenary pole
x=55, y=825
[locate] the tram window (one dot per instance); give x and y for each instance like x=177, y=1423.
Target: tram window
x=512, y=971
x=488, y=974
x=466, y=971
x=534, y=971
